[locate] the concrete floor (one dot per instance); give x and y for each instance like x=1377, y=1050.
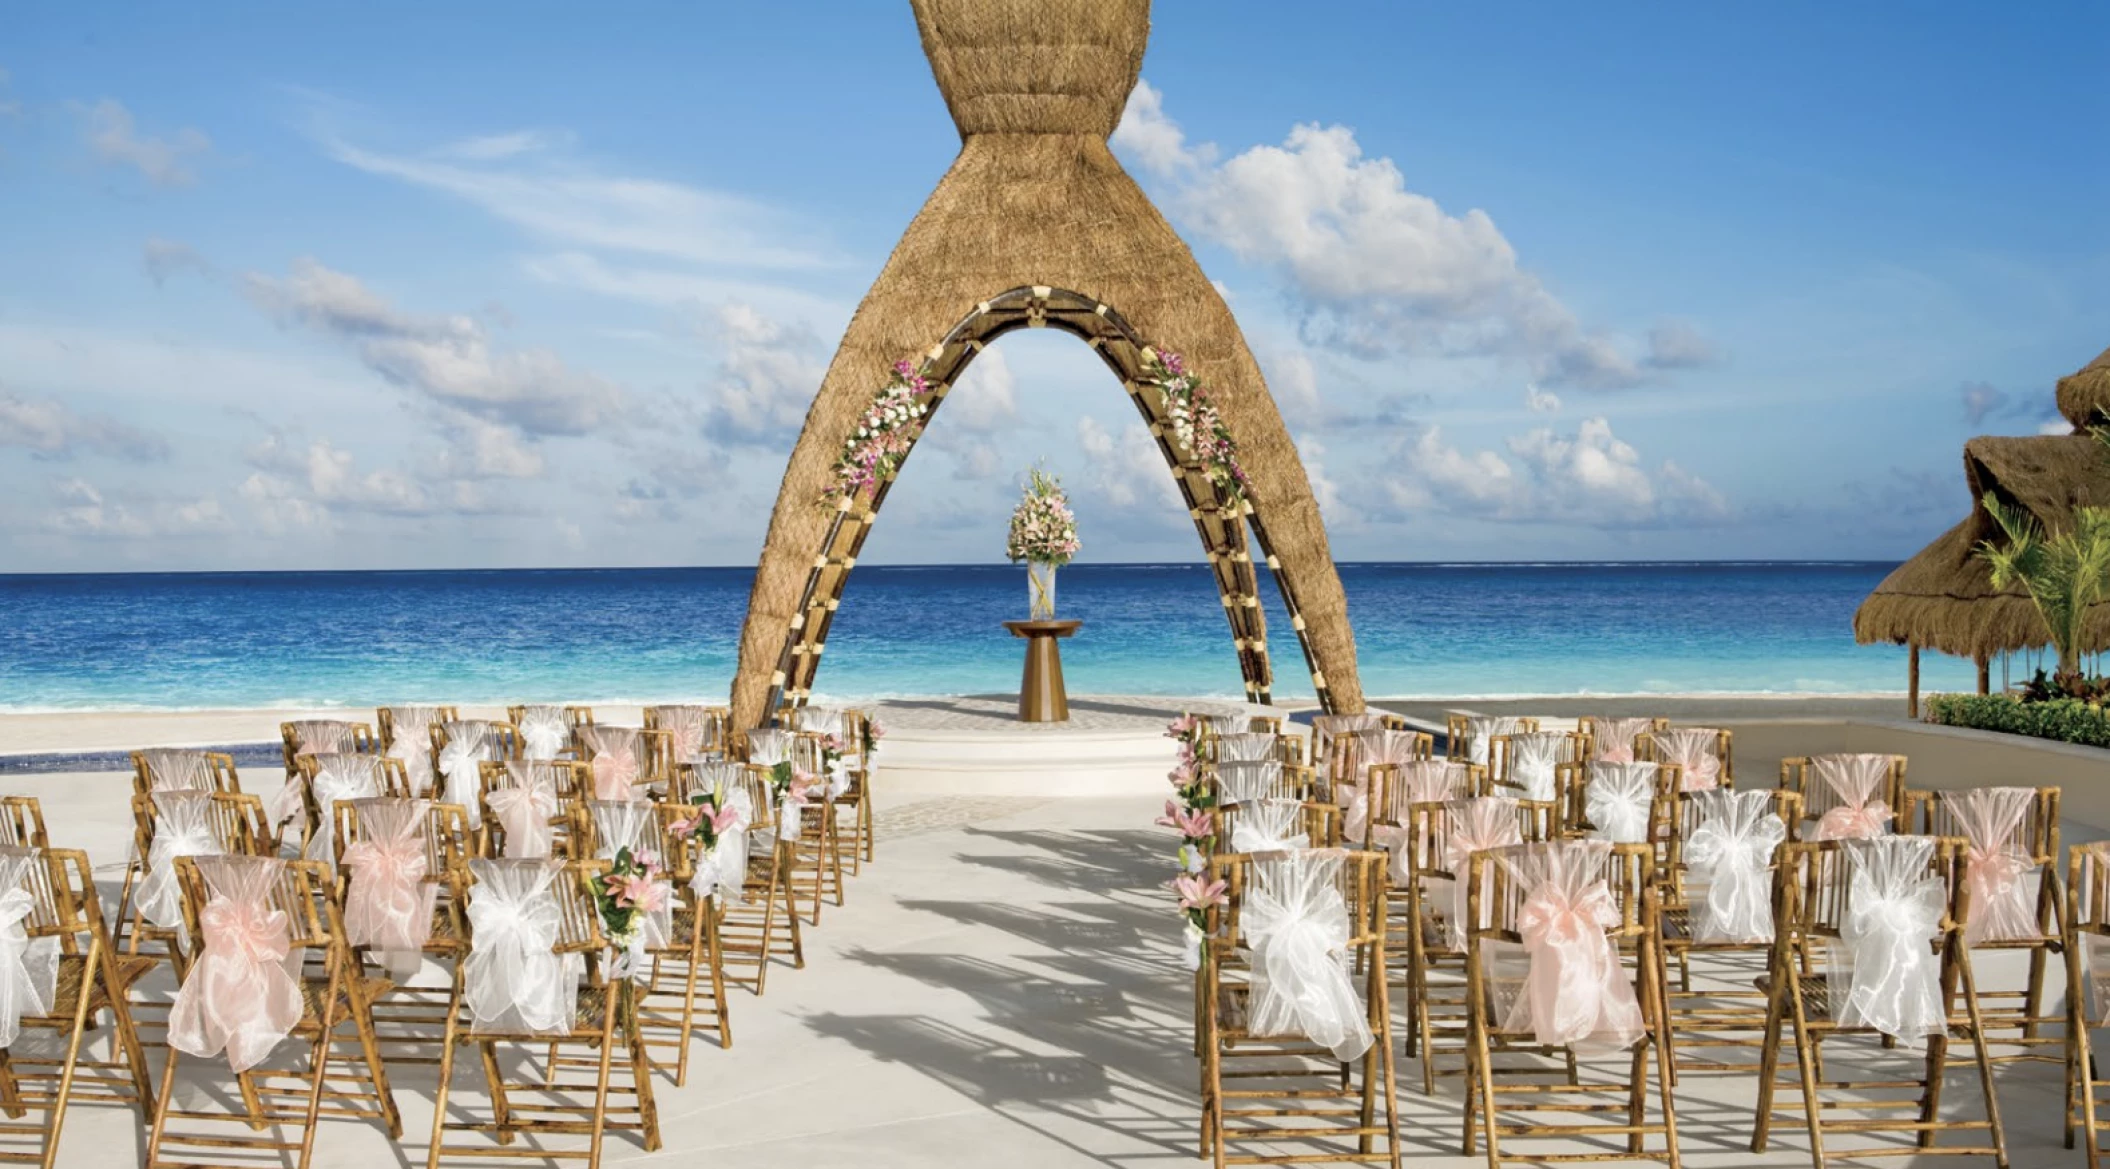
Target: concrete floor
x=1002, y=989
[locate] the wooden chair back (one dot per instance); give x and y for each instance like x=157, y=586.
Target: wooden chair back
x=181, y=769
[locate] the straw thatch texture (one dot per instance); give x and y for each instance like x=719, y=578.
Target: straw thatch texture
x=1943, y=598
x=2084, y=396
x=1037, y=199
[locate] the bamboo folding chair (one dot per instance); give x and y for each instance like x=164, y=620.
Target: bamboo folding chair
x=626, y=762
x=1468, y=738
x=852, y=832
x=1704, y=755
x=1716, y=904
x=760, y=922
x=171, y=824
x=1286, y=1083
x=1353, y=755
x=2017, y=900
x=1846, y=794
x=327, y=778
x=547, y=731
x=180, y=769
x=685, y=990
x=233, y=905
x=410, y=849
x=1526, y=764
x=315, y=736
x=1440, y=838
x=2087, y=929
x=22, y=822
x=1620, y=740
x=1325, y=726
x=406, y=734
x=528, y=806
x=1908, y=897
x=820, y=860
x=67, y=979
x=1252, y=746
x=1395, y=788
x=1522, y=902
x=1626, y=803
x=694, y=730
x=534, y=977
x=459, y=749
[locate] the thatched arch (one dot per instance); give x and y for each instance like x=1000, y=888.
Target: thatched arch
x=1036, y=203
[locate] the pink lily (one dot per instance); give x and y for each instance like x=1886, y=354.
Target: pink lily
x=1198, y=892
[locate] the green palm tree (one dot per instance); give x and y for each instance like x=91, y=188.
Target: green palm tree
x=2065, y=573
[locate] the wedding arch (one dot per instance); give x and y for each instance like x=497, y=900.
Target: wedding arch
x=1036, y=225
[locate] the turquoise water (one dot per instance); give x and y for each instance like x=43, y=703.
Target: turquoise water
x=260, y=639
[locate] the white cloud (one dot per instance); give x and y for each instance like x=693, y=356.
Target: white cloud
x=82, y=509
x=984, y=399
x=493, y=147
x=1677, y=345
x=115, y=139
x=449, y=358
x=2055, y=426
x=767, y=379
x=1125, y=470
x=164, y=258
x=1540, y=401
x=1334, y=507
x=50, y=429
x=1294, y=381
x=1591, y=478
x=1373, y=266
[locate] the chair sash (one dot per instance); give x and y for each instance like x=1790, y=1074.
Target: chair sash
x=339, y=777
x=1422, y=781
x=1476, y=825
x=1695, y=751
x=183, y=826
x=1246, y=747
x=2004, y=878
x=316, y=736
x=721, y=870
x=177, y=769
x=1893, y=917
x=1269, y=825
x=242, y=996
x=1481, y=728
x=388, y=903
x=2095, y=954
x=543, y=732
x=461, y=760
x=524, y=808
x=1613, y=739
x=1219, y=725
x=1618, y=801
x=634, y=825
x=617, y=755
x=1325, y=726
x=1853, y=779
x=29, y=967
x=513, y=980
x=687, y=728
x=412, y=737
x=1296, y=921
x=1727, y=857
x=1243, y=782
x=1576, y=991
x=1532, y=759
x=768, y=746
x=819, y=720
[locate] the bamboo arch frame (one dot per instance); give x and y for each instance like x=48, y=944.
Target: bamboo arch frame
x=1037, y=204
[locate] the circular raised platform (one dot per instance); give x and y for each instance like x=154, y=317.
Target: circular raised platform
x=1111, y=746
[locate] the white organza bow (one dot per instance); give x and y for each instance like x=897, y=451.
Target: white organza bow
x=29, y=967
x=1894, y=912
x=468, y=746
x=1268, y=826
x=1419, y=782
x=1241, y=782
x=1248, y=747
x=687, y=727
x=339, y=777
x=768, y=746
x=1479, y=730
x=2003, y=876
x=1728, y=855
x=411, y=738
x=543, y=730
x=524, y=808
x=177, y=769
x=1296, y=922
x=1618, y=801
x=513, y=981
x=721, y=870
x=242, y=996
x=182, y=827
x=1532, y=759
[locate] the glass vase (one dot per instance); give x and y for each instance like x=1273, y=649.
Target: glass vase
x=1040, y=591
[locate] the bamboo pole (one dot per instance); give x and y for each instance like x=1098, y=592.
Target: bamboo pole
x=1912, y=675
x=1985, y=675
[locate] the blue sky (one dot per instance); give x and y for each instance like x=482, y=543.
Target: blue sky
x=401, y=285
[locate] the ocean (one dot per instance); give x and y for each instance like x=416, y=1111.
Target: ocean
x=215, y=640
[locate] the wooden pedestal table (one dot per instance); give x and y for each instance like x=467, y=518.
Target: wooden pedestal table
x=1040, y=695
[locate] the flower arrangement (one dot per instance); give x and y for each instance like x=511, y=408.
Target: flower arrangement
x=716, y=822
x=625, y=895
x=1197, y=426
x=713, y=820
x=1192, y=813
x=884, y=435
x=1043, y=528
x=794, y=790
x=874, y=732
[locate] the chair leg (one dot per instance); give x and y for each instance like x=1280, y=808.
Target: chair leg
x=370, y=1048
x=1985, y=1061
x=495, y=1081
x=56, y=1120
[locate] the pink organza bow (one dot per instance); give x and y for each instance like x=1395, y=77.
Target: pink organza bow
x=687, y=737
x=388, y=905
x=2001, y=898
x=239, y=996
x=615, y=775
x=1856, y=821
x=1576, y=989
x=524, y=812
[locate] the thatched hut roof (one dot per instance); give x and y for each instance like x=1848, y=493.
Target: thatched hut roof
x=2084, y=396
x=1943, y=598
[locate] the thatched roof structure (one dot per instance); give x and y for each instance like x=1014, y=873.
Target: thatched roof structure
x=2084, y=396
x=1943, y=598
x=1036, y=207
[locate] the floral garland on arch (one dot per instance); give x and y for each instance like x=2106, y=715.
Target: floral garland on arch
x=1197, y=425
x=883, y=437
x=1192, y=813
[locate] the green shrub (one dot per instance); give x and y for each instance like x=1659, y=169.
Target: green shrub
x=2068, y=720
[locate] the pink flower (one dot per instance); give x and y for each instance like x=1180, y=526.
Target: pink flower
x=1194, y=823
x=628, y=889
x=723, y=820
x=683, y=829
x=903, y=367
x=1198, y=892
x=1181, y=727
x=1171, y=817
x=1173, y=364
x=874, y=729
x=1180, y=776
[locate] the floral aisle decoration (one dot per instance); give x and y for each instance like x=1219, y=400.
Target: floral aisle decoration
x=1198, y=427
x=1191, y=812
x=793, y=790
x=882, y=438
x=1044, y=535
x=719, y=828
x=627, y=895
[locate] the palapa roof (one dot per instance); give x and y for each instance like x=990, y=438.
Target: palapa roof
x=2084, y=396
x=1943, y=598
